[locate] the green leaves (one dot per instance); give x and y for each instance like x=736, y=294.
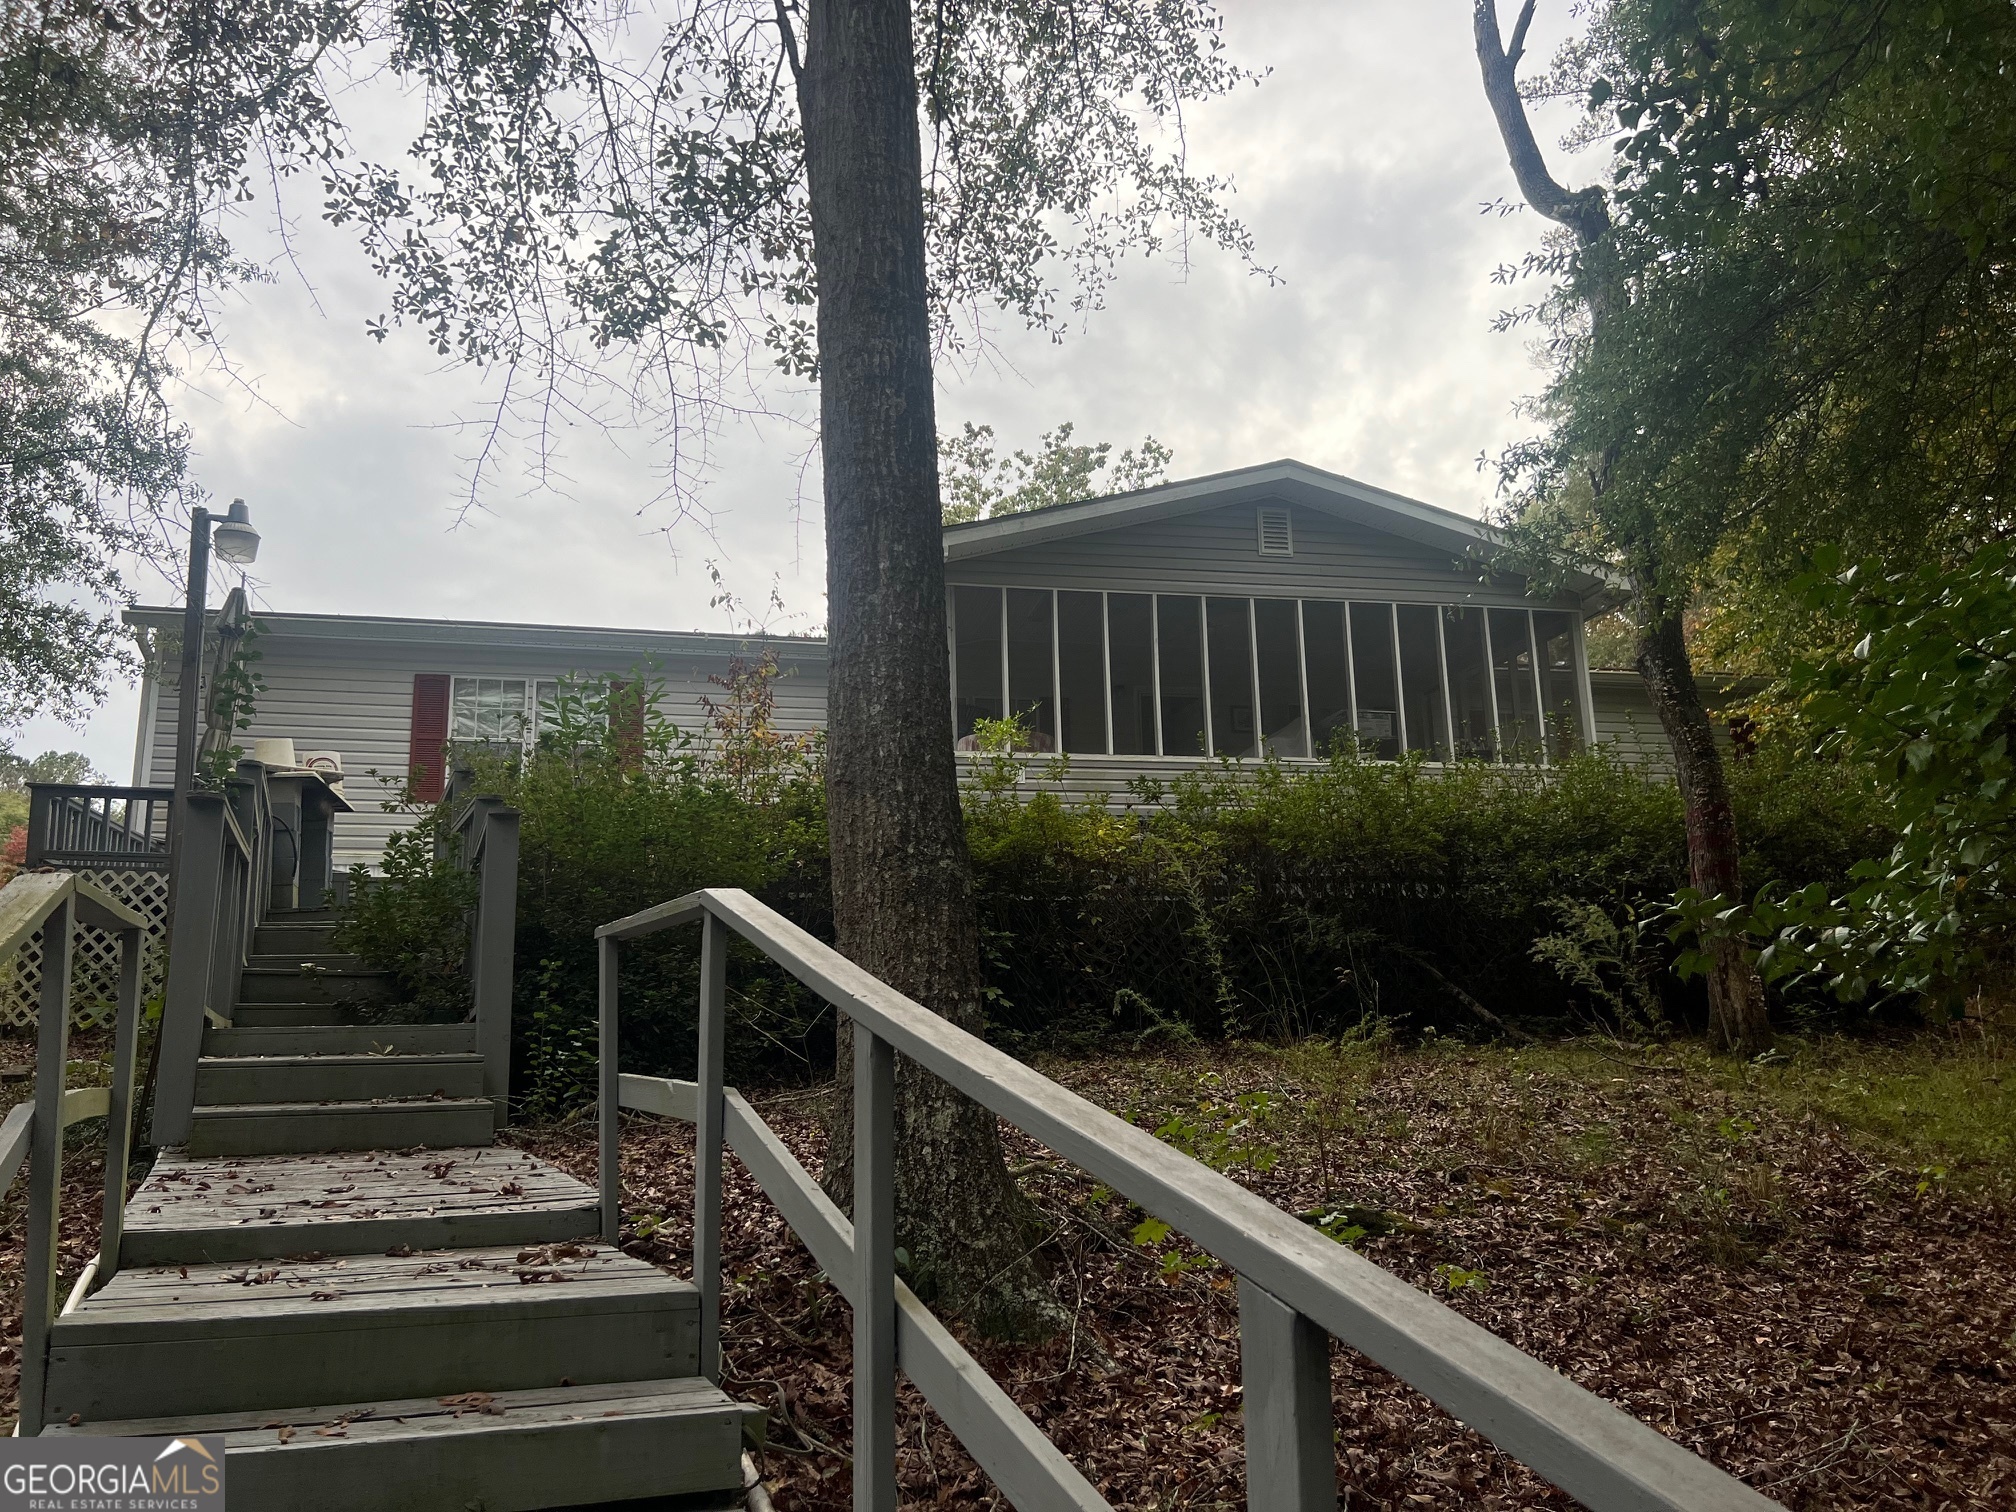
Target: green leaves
x=1927, y=696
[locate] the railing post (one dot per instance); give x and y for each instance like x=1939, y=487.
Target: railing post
x=707, y=1138
x=192, y=955
x=119, y=1118
x=1284, y=1363
x=45, y=1162
x=875, y=1272
x=491, y=951
x=608, y=1170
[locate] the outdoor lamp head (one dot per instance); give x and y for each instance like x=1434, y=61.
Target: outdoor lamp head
x=234, y=537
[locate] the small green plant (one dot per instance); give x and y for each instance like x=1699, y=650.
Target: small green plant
x=559, y=1047
x=1224, y=1133
x=1454, y=1278
x=1151, y=1233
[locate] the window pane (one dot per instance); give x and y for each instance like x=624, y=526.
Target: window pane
x=976, y=614
x=546, y=694
x=1130, y=622
x=1518, y=695
x=462, y=710
x=1421, y=682
x=1378, y=686
x=1562, y=689
x=1469, y=688
x=1179, y=636
x=1280, y=678
x=1231, y=643
x=1329, y=672
x=1030, y=670
x=1081, y=671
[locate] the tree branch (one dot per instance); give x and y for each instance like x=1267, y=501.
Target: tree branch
x=1582, y=211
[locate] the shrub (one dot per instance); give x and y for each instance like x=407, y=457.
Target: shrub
x=1232, y=902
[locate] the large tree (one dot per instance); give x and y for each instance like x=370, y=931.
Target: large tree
x=125, y=132
x=1626, y=528
x=1785, y=322
x=666, y=187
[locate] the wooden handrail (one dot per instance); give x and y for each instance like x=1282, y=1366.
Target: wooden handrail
x=1295, y=1278
x=55, y=904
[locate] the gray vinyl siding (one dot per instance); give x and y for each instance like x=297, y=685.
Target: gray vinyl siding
x=355, y=696
x=1216, y=552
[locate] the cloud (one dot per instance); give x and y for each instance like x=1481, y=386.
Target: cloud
x=1361, y=164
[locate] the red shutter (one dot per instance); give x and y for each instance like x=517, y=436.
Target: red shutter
x=427, y=754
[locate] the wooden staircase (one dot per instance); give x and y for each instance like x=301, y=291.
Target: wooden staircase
x=378, y=1307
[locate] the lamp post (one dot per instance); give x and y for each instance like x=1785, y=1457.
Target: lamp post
x=236, y=541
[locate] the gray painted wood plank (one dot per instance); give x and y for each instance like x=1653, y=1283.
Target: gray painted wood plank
x=282, y=1128
x=340, y=1039
x=533, y=1449
x=334, y=1078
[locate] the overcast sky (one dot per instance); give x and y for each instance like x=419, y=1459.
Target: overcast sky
x=1361, y=165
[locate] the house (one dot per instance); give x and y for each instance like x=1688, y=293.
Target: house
x=1267, y=609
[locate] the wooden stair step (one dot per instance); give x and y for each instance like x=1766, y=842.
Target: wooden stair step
x=290, y=984
x=310, y=1015
x=341, y=1039
x=229, y=1338
x=521, y=1451
x=191, y=1210
x=335, y=1078
x=305, y=1127
x=286, y=938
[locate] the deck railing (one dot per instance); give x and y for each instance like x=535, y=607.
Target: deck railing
x=103, y=828
x=51, y=906
x=1297, y=1288
x=487, y=833
x=223, y=886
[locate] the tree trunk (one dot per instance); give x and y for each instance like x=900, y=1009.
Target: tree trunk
x=1736, y=1014
x=902, y=878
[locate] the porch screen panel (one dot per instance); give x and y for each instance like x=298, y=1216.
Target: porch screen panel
x=1421, y=682
x=976, y=665
x=1179, y=639
x=1377, y=678
x=1469, y=683
x=1518, y=694
x=1081, y=672
x=1560, y=684
x=1234, y=727
x=1130, y=630
x=1282, y=729
x=1329, y=673
x=1031, y=694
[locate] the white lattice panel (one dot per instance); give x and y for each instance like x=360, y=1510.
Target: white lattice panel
x=94, y=974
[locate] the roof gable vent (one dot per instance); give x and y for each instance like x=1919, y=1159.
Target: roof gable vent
x=1277, y=535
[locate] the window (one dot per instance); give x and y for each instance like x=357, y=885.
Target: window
x=1327, y=656
x=1469, y=683
x=1179, y=658
x=1277, y=656
x=1517, y=683
x=1376, y=680
x=501, y=711
x=1142, y=674
x=1032, y=669
x=1421, y=676
x=1130, y=628
x=1277, y=532
x=1228, y=623
x=1081, y=671
x=977, y=660
x=1560, y=684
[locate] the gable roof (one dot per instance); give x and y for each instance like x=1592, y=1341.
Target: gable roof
x=1286, y=481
